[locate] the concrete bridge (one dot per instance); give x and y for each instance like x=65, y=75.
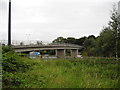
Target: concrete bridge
x=60, y=49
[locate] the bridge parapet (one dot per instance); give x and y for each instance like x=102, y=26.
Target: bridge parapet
x=64, y=44
x=37, y=43
x=49, y=46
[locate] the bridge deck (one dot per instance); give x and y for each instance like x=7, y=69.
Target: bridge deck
x=44, y=47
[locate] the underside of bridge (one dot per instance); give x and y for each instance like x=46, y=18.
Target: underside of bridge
x=61, y=53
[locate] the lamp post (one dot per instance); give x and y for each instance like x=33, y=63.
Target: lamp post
x=9, y=24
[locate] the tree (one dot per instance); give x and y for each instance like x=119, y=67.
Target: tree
x=21, y=43
x=91, y=37
x=109, y=39
x=115, y=26
x=89, y=46
x=106, y=43
x=70, y=40
x=59, y=40
x=80, y=41
x=39, y=43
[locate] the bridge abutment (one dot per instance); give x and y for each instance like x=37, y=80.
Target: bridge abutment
x=60, y=53
x=74, y=52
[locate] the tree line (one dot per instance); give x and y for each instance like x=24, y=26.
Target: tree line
x=107, y=44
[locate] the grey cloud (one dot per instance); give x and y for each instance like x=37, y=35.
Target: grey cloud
x=3, y=5
x=46, y=20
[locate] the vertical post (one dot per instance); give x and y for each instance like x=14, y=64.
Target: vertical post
x=9, y=24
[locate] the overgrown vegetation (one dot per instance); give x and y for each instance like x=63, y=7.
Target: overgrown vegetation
x=22, y=72
x=19, y=71
x=12, y=64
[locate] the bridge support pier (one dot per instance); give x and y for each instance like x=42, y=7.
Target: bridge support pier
x=74, y=52
x=60, y=53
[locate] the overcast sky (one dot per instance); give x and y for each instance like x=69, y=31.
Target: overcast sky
x=45, y=20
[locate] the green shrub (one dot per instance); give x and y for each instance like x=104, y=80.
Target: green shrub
x=7, y=49
x=23, y=72
x=12, y=64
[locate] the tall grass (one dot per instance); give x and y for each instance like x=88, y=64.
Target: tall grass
x=67, y=73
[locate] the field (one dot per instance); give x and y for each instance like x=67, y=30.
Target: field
x=62, y=73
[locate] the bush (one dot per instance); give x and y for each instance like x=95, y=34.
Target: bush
x=7, y=49
x=12, y=64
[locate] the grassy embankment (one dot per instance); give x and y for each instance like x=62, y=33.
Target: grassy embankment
x=61, y=73
x=22, y=72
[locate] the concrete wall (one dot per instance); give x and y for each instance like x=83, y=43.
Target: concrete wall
x=60, y=53
x=74, y=52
